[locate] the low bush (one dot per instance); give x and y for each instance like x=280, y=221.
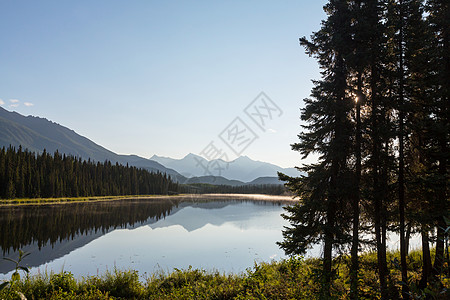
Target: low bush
x=293, y=278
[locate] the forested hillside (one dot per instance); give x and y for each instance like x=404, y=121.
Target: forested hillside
x=25, y=174
x=37, y=134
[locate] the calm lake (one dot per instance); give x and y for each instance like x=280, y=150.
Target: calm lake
x=148, y=235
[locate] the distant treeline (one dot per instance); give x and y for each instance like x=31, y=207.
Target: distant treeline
x=204, y=188
x=25, y=174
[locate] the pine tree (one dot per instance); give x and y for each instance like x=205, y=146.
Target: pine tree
x=392, y=159
x=359, y=64
x=415, y=41
x=322, y=212
x=439, y=119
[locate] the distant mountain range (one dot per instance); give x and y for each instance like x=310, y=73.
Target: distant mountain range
x=219, y=180
x=37, y=134
x=242, y=169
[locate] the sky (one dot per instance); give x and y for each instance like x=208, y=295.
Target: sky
x=214, y=78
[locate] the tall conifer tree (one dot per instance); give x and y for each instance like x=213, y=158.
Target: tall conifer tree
x=322, y=213
x=439, y=120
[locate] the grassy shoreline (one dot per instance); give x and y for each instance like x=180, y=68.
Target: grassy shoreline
x=64, y=200
x=293, y=278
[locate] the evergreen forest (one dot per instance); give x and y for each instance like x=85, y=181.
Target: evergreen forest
x=378, y=121
x=25, y=174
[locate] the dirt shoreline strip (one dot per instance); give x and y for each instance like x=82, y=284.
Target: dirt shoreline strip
x=253, y=197
x=67, y=200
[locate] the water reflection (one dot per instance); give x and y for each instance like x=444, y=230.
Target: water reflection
x=87, y=238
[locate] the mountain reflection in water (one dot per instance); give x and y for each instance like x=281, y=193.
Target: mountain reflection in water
x=86, y=238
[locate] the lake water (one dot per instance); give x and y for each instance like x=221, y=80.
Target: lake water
x=144, y=235
x=147, y=235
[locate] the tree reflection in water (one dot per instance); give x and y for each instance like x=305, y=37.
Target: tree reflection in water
x=53, y=231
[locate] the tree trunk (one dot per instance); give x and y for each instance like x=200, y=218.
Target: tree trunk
x=407, y=237
x=378, y=202
x=384, y=215
x=329, y=237
x=442, y=197
x=383, y=243
x=439, y=258
x=327, y=266
x=356, y=200
x=401, y=164
x=426, y=257
x=443, y=206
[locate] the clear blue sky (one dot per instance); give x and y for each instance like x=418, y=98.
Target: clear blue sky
x=160, y=77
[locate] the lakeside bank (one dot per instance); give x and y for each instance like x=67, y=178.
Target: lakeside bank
x=63, y=200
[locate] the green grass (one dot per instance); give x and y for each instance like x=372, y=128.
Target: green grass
x=294, y=278
x=36, y=201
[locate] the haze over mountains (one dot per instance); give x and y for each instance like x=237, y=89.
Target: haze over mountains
x=37, y=134
x=243, y=168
